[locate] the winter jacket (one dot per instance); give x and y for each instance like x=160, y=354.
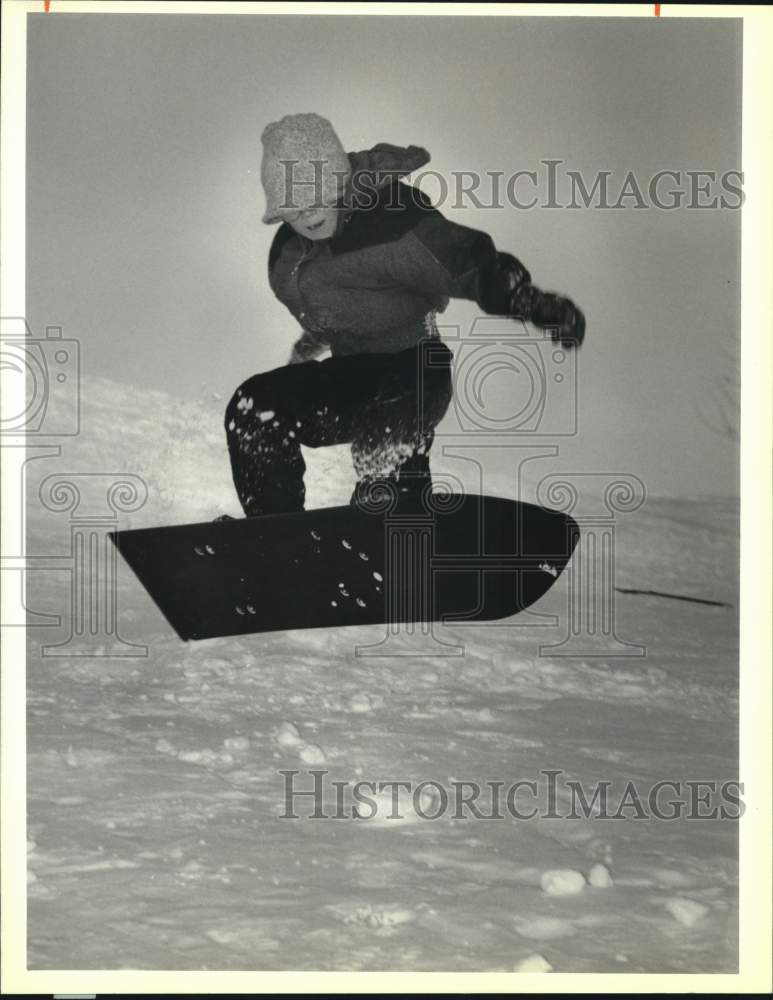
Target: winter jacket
x=394, y=261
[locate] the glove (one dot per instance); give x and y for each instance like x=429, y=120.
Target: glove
x=560, y=316
x=505, y=289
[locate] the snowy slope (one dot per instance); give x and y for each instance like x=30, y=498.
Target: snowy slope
x=154, y=794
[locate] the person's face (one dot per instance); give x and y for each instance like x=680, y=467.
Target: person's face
x=315, y=223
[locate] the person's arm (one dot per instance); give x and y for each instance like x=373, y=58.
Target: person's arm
x=451, y=261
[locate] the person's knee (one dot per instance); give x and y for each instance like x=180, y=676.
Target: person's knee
x=279, y=394
x=250, y=397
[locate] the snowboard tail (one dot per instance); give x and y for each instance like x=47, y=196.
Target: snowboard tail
x=469, y=558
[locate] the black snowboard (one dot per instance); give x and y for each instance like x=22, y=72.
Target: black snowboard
x=468, y=558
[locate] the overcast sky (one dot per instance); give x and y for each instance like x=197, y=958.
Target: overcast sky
x=144, y=235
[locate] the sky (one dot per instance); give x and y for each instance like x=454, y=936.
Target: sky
x=144, y=238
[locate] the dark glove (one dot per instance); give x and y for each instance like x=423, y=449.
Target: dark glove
x=505, y=289
x=559, y=316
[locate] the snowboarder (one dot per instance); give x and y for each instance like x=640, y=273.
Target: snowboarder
x=364, y=262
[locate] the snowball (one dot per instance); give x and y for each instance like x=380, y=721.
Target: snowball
x=686, y=911
x=310, y=753
x=562, y=882
x=360, y=702
x=287, y=735
x=533, y=963
x=600, y=878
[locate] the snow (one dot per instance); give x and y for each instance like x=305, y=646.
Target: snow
x=154, y=788
x=533, y=963
x=562, y=882
x=360, y=702
x=599, y=877
x=310, y=753
x=287, y=735
x=686, y=911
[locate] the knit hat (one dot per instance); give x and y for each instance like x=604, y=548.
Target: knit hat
x=304, y=165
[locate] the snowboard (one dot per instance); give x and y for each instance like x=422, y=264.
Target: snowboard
x=460, y=558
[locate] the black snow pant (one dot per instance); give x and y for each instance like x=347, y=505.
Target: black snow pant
x=386, y=405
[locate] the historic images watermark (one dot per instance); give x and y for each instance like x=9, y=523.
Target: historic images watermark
x=501, y=352
x=48, y=373
x=550, y=184
x=514, y=402
x=41, y=413
x=546, y=794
